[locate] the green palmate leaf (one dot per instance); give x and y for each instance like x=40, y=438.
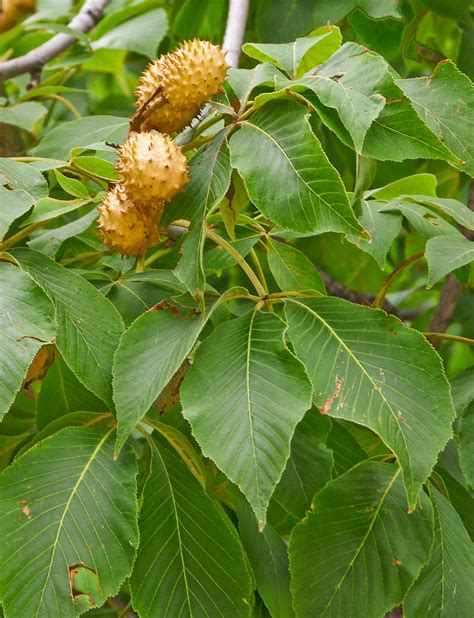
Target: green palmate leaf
x=369, y=368
x=424, y=220
x=140, y=33
x=49, y=241
x=460, y=496
x=89, y=327
x=416, y=184
x=16, y=427
x=292, y=269
x=74, y=419
x=162, y=278
x=66, y=504
x=453, y=208
x=359, y=548
x=25, y=325
x=268, y=555
x=446, y=253
x=23, y=115
x=462, y=388
x=190, y=561
x=99, y=167
x=62, y=393
x=138, y=292
x=444, y=587
x=71, y=185
x=300, y=56
x=383, y=228
x=48, y=208
x=14, y=204
x=347, y=452
x=23, y=177
x=149, y=354
x=445, y=102
x=337, y=10
x=244, y=395
x=356, y=110
x=307, y=470
x=287, y=174
x=83, y=132
x=243, y=81
x=398, y=134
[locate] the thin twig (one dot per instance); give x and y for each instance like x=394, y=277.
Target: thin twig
x=240, y=261
x=445, y=309
x=379, y=299
x=34, y=61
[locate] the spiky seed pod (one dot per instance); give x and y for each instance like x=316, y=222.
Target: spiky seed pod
x=168, y=118
x=12, y=11
x=152, y=168
x=10, y=15
x=124, y=227
x=185, y=79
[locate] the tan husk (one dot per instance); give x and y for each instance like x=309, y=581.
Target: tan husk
x=168, y=118
x=12, y=11
x=126, y=227
x=152, y=168
x=185, y=80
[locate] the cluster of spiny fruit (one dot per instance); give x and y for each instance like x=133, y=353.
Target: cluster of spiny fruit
x=151, y=167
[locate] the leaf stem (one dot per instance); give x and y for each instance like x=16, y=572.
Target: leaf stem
x=195, y=143
x=157, y=254
x=258, y=266
x=240, y=261
x=81, y=256
x=64, y=101
x=34, y=159
x=378, y=301
x=448, y=337
x=10, y=242
x=140, y=264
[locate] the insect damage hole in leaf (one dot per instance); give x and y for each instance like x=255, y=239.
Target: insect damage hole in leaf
x=86, y=591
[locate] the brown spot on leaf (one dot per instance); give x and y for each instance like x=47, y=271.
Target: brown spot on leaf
x=327, y=405
x=25, y=510
x=396, y=562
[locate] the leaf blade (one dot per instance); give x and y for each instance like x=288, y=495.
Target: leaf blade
x=362, y=511
x=50, y=526
x=373, y=382
x=252, y=448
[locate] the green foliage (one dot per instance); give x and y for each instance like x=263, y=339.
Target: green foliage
x=233, y=424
